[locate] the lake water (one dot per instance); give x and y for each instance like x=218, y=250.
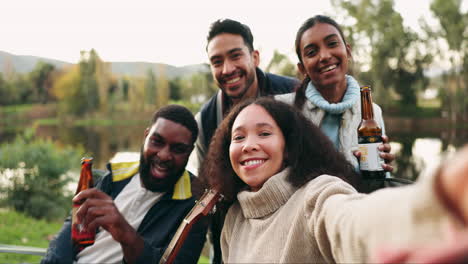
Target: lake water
x=416, y=143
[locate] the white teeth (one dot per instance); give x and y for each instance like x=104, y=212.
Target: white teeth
x=160, y=166
x=233, y=80
x=329, y=68
x=253, y=162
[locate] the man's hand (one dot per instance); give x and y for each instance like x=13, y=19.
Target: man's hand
x=99, y=210
x=385, y=154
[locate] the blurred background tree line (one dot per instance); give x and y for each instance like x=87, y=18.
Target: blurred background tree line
x=91, y=87
x=392, y=58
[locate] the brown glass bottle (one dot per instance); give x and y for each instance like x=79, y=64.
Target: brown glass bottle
x=369, y=138
x=82, y=238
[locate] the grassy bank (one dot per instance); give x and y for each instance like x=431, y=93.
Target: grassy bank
x=18, y=229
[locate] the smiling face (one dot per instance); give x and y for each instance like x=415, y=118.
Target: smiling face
x=164, y=154
x=324, y=56
x=233, y=66
x=257, y=146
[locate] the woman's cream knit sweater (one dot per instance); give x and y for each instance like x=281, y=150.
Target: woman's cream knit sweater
x=326, y=221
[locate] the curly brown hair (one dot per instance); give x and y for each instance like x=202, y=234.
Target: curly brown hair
x=309, y=152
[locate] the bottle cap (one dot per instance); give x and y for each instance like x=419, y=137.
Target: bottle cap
x=86, y=160
x=366, y=87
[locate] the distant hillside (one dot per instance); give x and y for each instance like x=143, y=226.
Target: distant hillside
x=24, y=64
x=141, y=69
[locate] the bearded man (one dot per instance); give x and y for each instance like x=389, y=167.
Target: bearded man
x=138, y=205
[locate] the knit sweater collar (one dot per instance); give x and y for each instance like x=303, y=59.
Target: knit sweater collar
x=274, y=193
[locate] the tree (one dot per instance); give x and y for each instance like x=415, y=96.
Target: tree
x=85, y=87
x=453, y=29
x=23, y=88
x=280, y=64
x=150, y=97
x=67, y=90
x=162, y=88
x=42, y=79
x=88, y=86
x=8, y=95
x=136, y=94
x=36, y=170
x=396, y=62
x=104, y=80
x=175, y=89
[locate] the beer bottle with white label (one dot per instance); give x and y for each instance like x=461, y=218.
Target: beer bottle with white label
x=369, y=138
x=82, y=238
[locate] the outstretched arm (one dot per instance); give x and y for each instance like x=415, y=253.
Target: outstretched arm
x=452, y=188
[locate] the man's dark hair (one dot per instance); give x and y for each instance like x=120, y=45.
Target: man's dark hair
x=308, y=151
x=233, y=27
x=178, y=114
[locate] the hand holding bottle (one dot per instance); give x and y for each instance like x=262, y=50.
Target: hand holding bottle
x=385, y=149
x=99, y=211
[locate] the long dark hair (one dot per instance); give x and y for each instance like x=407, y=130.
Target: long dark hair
x=309, y=153
x=300, y=91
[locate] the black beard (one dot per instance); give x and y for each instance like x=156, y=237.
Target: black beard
x=156, y=185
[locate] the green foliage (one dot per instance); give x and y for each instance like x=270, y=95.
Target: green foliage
x=13, y=115
x=193, y=107
x=175, y=89
x=454, y=29
x=452, y=21
x=88, y=93
x=32, y=87
x=198, y=87
x=7, y=93
x=280, y=64
x=396, y=59
x=86, y=88
x=18, y=89
x=15, y=229
x=22, y=230
x=41, y=77
x=34, y=173
x=67, y=91
x=150, y=88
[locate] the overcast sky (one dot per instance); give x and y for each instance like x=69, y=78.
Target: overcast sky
x=170, y=31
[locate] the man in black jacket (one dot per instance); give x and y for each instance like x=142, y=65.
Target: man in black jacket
x=138, y=205
x=234, y=66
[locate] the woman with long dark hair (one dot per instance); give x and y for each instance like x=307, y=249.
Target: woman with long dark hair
x=328, y=96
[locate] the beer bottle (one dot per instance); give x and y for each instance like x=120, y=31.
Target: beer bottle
x=80, y=237
x=369, y=138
